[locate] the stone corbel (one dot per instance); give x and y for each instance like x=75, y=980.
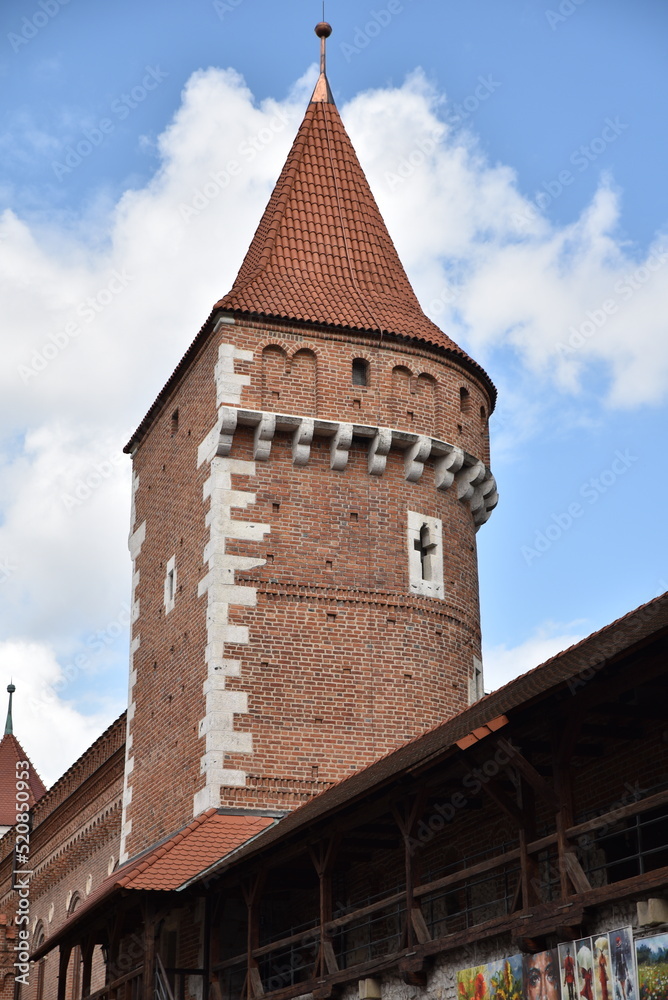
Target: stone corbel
x=415, y=458
x=228, y=425
x=468, y=478
x=341, y=443
x=446, y=468
x=484, y=500
x=264, y=435
x=378, y=451
x=301, y=441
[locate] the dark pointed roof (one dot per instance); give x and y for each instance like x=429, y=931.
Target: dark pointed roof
x=322, y=253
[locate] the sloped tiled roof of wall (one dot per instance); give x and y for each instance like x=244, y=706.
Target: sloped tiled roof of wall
x=209, y=837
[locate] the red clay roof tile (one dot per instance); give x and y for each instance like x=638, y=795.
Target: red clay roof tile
x=322, y=253
x=11, y=751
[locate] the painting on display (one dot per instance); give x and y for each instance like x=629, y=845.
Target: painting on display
x=500, y=980
x=602, y=972
x=568, y=971
x=541, y=975
x=504, y=979
x=594, y=968
x=652, y=958
x=584, y=963
x=624, y=982
x=472, y=983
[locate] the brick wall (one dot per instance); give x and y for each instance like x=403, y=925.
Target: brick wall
x=73, y=844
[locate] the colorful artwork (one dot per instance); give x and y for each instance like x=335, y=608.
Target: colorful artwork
x=568, y=972
x=602, y=974
x=652, y=958
x=584, y=958
x=598, y=968
x=623, y=964
x=500, y=980
x=541, y=975
x=504, y=979
x=472, y=983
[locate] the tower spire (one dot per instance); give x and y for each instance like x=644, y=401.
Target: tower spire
x=9, y=726
x=322, y=93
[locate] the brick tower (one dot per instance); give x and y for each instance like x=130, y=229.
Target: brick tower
x=307, y=488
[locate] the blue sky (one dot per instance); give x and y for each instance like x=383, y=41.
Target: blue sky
x=542, y=214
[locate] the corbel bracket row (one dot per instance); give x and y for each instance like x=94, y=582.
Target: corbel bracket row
x=472, y=480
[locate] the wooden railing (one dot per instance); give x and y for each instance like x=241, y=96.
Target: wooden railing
x=295, y=974
x=127, y=987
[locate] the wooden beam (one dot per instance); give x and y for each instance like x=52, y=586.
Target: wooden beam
x=632, y=809
x=574, y=871
x=529, y=773
x=544, y=919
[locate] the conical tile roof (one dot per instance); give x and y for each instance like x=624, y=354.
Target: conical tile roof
x=322, y=253
x=12, y=752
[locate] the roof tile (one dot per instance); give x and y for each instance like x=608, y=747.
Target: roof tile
x=323, y=225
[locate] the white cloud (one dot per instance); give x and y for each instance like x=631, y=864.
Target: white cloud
x=97, y=312
x=503, y=664
x=47, y=723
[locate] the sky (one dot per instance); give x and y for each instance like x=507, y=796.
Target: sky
x=517, y=151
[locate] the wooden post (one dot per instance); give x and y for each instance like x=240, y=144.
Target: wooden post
x=406, y=815
x=570, y=870
x=87, y=956
x=323, y=859
x=251, y=890
x=63, y=962
x=208, y=906
x=148, y=978
x=529, y=867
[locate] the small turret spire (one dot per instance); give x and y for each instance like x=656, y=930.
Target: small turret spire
x=322, y=93
x=9, y=726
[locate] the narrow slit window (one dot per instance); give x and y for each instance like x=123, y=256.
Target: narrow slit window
x=360, y=372
x=175, y=422
x=170, y=585
x=464, y=400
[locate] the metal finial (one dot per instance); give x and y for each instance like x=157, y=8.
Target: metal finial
x=9, y=727
x=322, y=92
